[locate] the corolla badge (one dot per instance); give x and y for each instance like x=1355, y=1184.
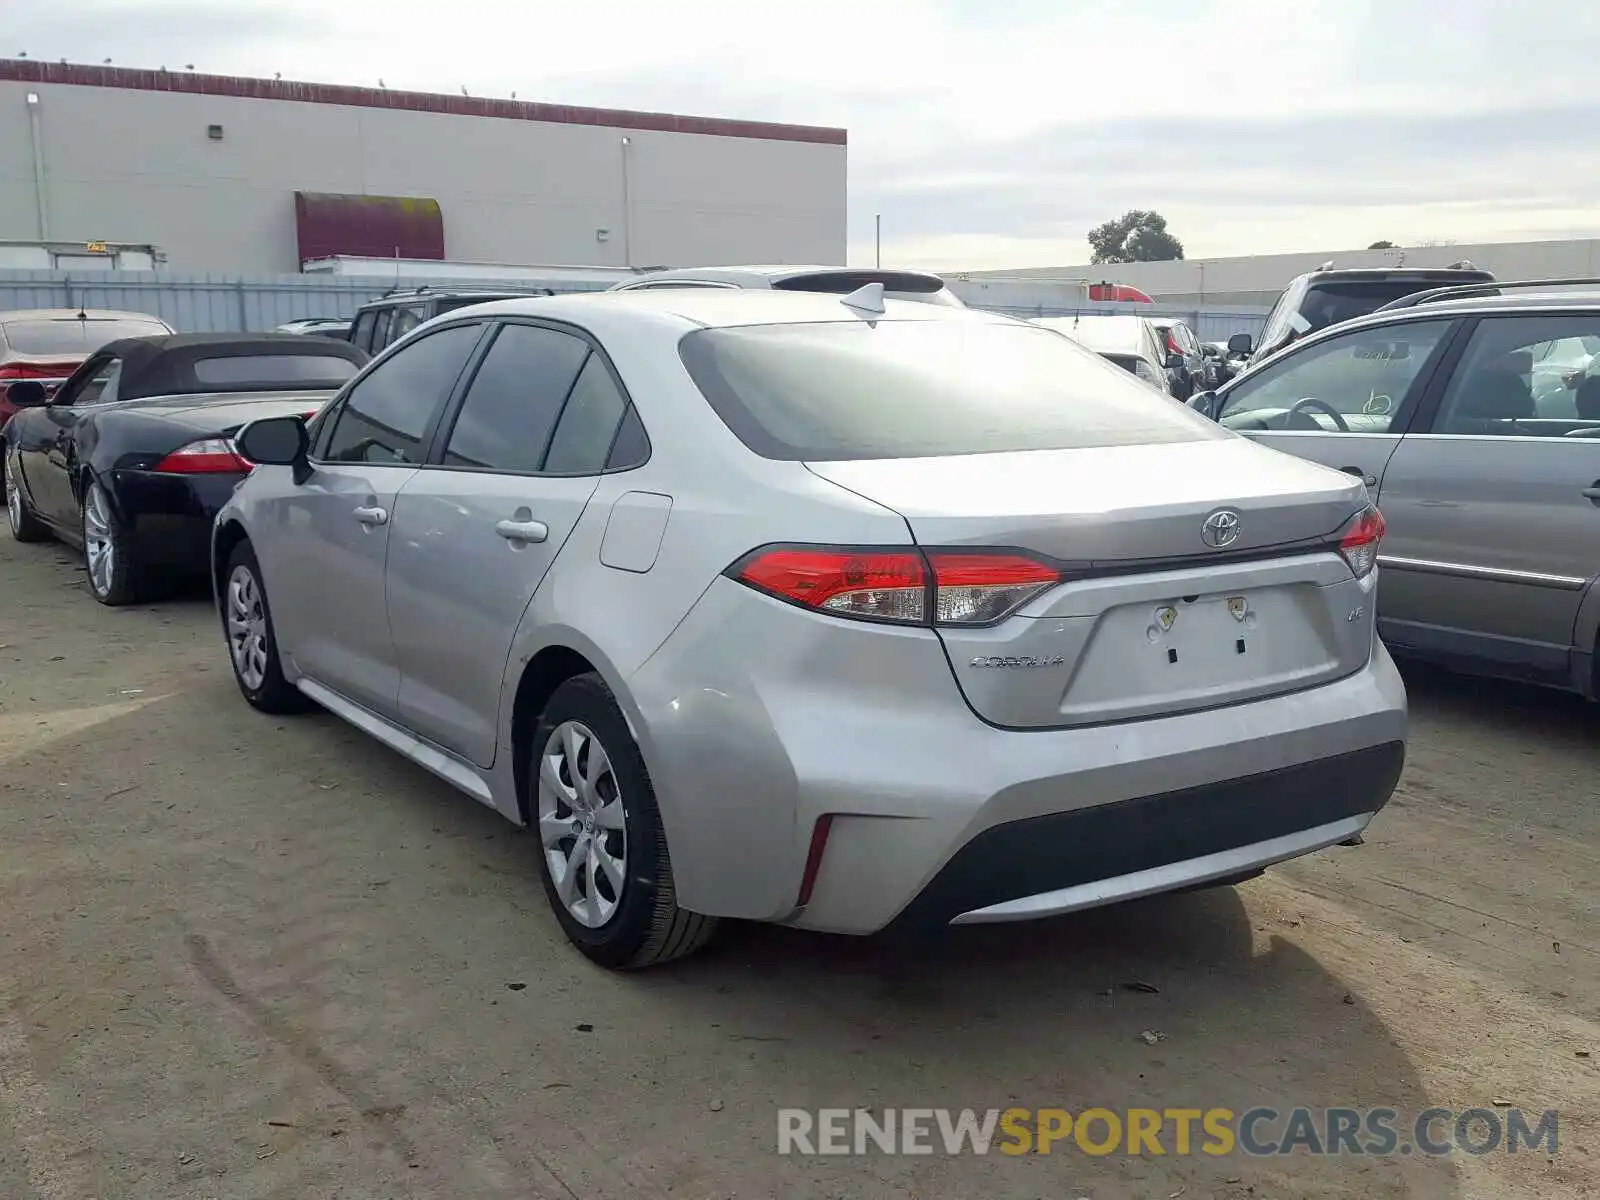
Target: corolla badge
x=1220, y=529
x=1019, y=660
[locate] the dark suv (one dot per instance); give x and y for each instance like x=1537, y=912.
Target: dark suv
x=384, y=321
x=1327, y=297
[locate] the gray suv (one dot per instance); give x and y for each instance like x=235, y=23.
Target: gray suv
x=1473, y=416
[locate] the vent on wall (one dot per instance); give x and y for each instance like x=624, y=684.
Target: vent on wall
x=214, y=132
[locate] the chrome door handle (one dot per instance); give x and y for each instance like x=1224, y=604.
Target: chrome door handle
x=1593, y=493
x=372, y=515
x=1369, y=480
x=522, y=531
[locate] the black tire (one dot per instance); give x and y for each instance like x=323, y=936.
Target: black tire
x=272, y=693
x=124, y=581
x=646, y=927
x=25, y=526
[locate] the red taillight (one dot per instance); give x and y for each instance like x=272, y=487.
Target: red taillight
x=1360, y=541
x=208, y=456
x=21, y=370
x=947, y=587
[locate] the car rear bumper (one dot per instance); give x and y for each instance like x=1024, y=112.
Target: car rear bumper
x=757, y=720
x=1086, y=857
x=170, y=516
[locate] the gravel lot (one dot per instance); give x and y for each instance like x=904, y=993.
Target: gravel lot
x=246, y=957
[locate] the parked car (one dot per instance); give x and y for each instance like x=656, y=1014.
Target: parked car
x=832, y=612
x=1226, y=363
x=334, y=327
x=381, y=323
x=919, y=286
x=1129, y=342
x=1326, y=297
x=1475, y=424
x=1191, y=370
x=131, y=459
x=45, y=345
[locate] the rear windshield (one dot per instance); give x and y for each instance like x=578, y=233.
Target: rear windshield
x=68, y=335
x=912, y=389
x=268, y=371
x=1331, y=303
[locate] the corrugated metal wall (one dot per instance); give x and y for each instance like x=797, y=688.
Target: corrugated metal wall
x=217, y=303
x=230, y=303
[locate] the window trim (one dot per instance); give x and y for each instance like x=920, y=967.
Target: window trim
x=327, y=419
x=433, y=459
x=1440, y=363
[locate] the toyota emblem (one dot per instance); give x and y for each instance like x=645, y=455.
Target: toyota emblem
x=1221, y=529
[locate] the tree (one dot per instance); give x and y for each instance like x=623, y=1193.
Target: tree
x=1381, y=246
x=1138, y=235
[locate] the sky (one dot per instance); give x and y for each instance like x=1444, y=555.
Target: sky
x=993, y=134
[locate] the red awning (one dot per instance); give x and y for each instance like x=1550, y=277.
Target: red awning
x=368, y=226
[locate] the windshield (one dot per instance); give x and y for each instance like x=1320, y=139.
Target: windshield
x=68, y=335
x=911, y=389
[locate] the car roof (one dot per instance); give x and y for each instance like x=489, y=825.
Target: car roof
x=1106, y=333
x=164, y=366
x=776, y=272
x=1465, y=306
x=451, y=293
x=1445, y=275
x=718, y=307
x=72, y=314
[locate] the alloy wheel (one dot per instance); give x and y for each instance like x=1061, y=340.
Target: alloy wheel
x=582, y=824
x=247, y=627
x=13, y=503
x=99, y=540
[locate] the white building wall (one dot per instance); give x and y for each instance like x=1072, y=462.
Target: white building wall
x=129, y=165
x=1260, y=278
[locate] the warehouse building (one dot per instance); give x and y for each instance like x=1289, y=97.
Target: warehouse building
x=258, y=176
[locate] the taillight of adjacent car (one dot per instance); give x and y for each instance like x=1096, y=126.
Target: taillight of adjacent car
x=899, y=586
x=205, y=456
x=1360, y=541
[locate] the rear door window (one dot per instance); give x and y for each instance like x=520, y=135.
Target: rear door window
x=908, y=389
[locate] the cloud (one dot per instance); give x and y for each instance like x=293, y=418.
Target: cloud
x=992, y=134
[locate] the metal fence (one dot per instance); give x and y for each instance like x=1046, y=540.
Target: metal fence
x=219, y=303
x=231, y=303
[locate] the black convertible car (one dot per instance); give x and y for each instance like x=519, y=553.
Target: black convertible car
x=132, y=456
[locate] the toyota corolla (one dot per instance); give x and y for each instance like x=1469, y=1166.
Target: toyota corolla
x=838, y=612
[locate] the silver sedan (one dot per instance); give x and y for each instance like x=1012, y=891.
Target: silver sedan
x=837, y=612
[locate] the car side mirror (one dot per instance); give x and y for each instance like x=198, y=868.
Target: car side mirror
x=1206, y=404
x=27, y=393
x=1174, y=361
x=1240, y=343
x=276, y=442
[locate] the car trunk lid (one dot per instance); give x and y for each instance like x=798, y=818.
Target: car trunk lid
x=1154, y=613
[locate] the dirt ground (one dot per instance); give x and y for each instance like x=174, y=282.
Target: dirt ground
x=243, y=957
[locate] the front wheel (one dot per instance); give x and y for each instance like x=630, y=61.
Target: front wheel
x=603, y=851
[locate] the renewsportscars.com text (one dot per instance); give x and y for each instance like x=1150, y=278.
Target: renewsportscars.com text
x=1153, y=1132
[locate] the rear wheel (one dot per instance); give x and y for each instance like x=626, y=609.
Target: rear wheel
x=603, y=852
x=25, y=527
x=115, y=575
x=252, y=645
